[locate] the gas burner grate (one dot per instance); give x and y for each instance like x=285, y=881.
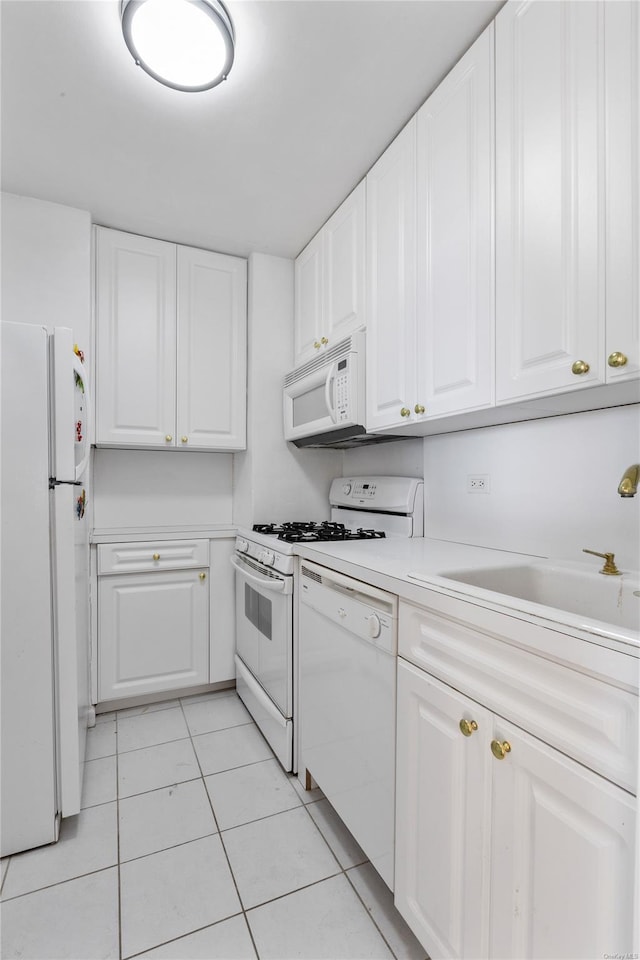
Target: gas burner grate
x=324, y=533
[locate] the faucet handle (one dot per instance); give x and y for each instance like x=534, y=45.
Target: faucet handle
x=609, y=568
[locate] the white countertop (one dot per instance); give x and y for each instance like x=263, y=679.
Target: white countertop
x=211, y=531
x=410, y=566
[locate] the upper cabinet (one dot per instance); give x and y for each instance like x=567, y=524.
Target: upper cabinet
x=170, y=345
x=430, y=255
x=566, y=196
x=391, y=282
x=622, y=192
x=329, y=280
x=455, y=199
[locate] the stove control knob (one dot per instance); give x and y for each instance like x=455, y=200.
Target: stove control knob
x=268, y=558
x=242, y=546
x=346, y=489
x=374, y=626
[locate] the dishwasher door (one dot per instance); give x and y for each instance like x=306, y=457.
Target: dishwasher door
x=347, y=668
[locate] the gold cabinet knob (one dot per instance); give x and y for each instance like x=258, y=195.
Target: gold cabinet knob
x=168, y=438
x=156, y=556
x=185, y=439
x=202, y=576
x=580, y=367
x=617, y=359
x=467, y=727
x=405, y=412
x=324, y=341
x=419, y=408
x=500, y=750
x=317, y=344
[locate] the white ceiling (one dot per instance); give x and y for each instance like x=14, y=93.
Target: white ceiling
x=317, y=91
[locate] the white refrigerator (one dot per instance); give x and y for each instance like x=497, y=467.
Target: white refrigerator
x=44, y=578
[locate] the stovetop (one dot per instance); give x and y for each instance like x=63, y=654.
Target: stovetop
x=310, y=532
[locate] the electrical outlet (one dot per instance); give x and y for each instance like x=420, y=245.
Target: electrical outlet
x=479, y=483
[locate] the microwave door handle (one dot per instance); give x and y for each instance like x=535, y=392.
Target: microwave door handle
x=328, y=391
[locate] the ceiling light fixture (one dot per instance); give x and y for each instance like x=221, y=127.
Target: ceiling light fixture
x=185, y=44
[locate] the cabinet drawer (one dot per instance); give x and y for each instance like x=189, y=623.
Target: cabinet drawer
x=152, y=555
x=588, y=719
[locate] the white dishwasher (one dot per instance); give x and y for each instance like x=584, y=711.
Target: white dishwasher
x=347, y=669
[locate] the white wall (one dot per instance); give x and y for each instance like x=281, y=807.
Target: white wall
x=157, y=488
x=46, y=265
x=400, y=458
x=553, y=486
x=273, y=480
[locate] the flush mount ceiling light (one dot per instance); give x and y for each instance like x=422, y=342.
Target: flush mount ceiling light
x=185, y=44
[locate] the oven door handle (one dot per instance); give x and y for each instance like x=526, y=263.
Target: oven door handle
x=277, y=586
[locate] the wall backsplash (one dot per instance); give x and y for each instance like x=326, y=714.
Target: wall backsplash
x=552, y=486
x=399, y=458
x=155, y=488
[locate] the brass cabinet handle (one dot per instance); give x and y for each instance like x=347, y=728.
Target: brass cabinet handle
x=168, y=438
x=317, y=344
x=324, y=341
x=500, y=750
x=405, y=412
x=185, y=439
x=617, y=359
x=580, y=367
x=419, y=408
x=467, y=727
x=202, y=576
x=156, y=556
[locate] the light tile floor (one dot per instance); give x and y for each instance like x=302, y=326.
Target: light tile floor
x=193, y=843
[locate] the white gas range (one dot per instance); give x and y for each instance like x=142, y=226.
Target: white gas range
x=362, y=508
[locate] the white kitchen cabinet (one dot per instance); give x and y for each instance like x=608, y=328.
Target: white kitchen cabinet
x=622, y=194
x=135, y=382
x=430, y=333
x=171, y=345
x=515, y=782
x=443, y=797
x=329, y=280
x=391, y=282
x=455, y=248
x=153, y=617
x=550, y=252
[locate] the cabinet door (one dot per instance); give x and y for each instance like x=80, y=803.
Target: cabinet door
x=549, y=194
x=562, y=855
x=391, y=283
x=622, y=85
x=442, y=816
x=343, y=267
x=455, y=237
x=212, y=346
x=308, y=318
x=135, y=334
x=153, y=632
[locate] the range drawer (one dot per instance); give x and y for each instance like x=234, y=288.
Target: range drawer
x=585, y=717
x=152, y=555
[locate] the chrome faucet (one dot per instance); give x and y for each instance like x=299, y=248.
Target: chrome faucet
x=628, y=486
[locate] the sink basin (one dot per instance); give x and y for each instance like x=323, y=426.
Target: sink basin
x=570, y=587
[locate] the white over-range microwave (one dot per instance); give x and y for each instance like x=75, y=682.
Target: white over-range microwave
x=324, y=400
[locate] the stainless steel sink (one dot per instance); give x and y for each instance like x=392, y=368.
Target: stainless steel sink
x=571, y=587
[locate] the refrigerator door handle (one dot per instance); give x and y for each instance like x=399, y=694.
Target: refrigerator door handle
x=66, y=650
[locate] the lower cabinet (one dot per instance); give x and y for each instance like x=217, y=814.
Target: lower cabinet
x=505, y=846
x=153, y=622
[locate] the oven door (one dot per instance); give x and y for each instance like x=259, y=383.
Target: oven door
x=264, y=628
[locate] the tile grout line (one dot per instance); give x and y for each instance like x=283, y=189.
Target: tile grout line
x=224, y=849
x=347, y=878
x=57, y=883
x=118, y=842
